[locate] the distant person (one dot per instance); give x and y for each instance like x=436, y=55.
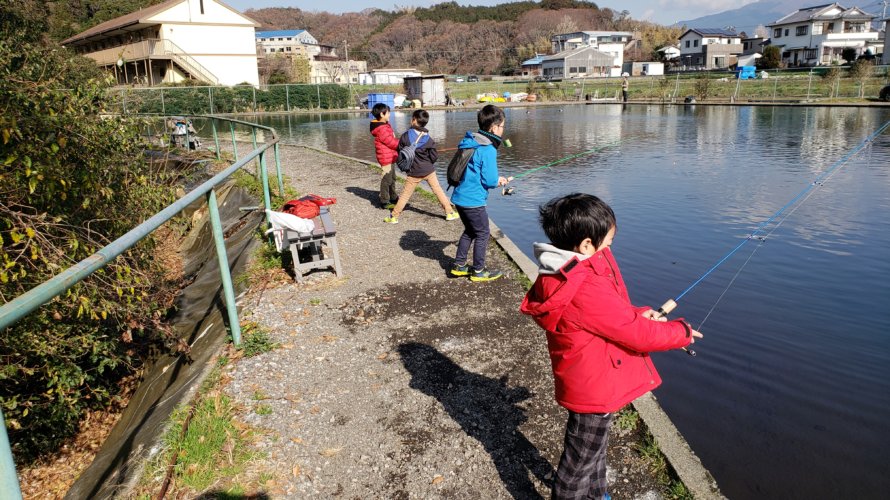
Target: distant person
x=386, y=145
x=471, y=195
x=624, y=86
x=422, y=169
x=598, y=340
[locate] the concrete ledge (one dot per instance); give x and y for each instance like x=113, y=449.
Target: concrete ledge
x=671, y=443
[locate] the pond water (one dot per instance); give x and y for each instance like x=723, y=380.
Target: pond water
x=790, y=392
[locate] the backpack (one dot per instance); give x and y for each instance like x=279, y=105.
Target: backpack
x=407, y=153
x=458, y=165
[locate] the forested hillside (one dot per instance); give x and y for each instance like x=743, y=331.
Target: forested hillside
x=449, y=38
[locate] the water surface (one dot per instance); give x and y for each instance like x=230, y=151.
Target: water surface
x=790, y=392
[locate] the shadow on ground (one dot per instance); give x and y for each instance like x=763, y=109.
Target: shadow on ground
x=373, y=198
x=486, y=410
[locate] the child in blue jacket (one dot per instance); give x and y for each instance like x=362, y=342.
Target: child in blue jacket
x=471, y=195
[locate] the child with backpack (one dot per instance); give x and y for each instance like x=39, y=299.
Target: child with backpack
x=420, y=167
x=599, y=342
x=471, y=194
x=386, y=146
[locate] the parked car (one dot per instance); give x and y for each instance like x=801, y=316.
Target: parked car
x=472, y=78
x=459, y=79
x=885, y=94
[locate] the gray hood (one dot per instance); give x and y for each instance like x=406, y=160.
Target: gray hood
x=551, y=259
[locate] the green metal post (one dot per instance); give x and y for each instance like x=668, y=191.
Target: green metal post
x=254, y=147
x=264, y=175
x=287, y=97
x=254, y=98
x=225, y=274
x=163, y=107
x=9, y=481
x=234, y=144
x=210, y=95
x=278, y=171
x=215, y=137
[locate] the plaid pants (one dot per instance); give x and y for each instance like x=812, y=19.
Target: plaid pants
x=582, y=468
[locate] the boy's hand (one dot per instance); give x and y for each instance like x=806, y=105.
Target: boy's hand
x=654, y=316
x=502, y=181
x=694, y=334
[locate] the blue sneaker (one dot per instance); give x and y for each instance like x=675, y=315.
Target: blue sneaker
x=460, y=270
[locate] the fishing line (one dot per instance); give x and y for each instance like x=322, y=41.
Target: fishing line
x=508, y=190
x=797, y=201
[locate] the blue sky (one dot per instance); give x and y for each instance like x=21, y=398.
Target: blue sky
x=660, y=11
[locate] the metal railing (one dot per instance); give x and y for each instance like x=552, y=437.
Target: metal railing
x=26, y=303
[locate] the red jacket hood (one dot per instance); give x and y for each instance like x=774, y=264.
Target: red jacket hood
x=598, y=341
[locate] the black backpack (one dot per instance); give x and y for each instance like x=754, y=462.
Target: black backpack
x=458, y=165
x=407, y=153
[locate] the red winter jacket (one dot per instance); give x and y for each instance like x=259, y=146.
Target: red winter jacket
x=385, y=142
x=598, y=340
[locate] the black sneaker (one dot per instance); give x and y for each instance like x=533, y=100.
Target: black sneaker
x=485, y=275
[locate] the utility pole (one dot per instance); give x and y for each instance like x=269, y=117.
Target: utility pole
x=346, y=50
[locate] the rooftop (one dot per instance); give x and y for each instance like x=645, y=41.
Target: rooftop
x=278, y=33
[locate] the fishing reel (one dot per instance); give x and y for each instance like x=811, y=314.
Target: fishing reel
x=507, y=190
x=666, y=309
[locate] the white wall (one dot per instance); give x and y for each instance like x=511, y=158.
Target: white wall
x=220, y=39
x=691, y=37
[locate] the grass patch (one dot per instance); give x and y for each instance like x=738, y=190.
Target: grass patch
x=315, y=302
x=255, y=340
x=627, y=419
x=658, y=464
x=212, y=451
x=263, y=410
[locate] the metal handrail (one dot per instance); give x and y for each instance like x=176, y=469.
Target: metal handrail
x=26, y=303
x=184, y=59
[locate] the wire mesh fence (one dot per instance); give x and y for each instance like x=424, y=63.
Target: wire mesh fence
x=811, y=84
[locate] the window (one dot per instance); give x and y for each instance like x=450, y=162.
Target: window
x=687, y=44
x=801, y=30
x=810, y=54
x=817, y=29
x=857, y=27
x=573, y=69
x=829, y=27
x=786, y=31
x=582, y=69
x=695, y=43
x=777, y=33
x=746, y=45
x=288, y=49
x=289, y=39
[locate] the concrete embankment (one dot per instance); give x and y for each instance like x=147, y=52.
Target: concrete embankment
x=399, y=381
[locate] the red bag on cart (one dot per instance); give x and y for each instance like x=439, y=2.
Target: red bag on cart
x=319, y=200
x=301, y=208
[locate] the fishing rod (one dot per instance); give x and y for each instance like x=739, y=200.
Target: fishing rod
x=508, y=190
x=671, y=304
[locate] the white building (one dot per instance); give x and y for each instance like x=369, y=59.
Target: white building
x=709, y=48
x=669, y=52
x=571, y=41
x=818, y=35
x=609, y=42
x=582, y=62
x=385, y=76
x=173, y=41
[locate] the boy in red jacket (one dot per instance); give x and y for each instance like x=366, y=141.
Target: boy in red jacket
x=386, y=146
x=598, y=341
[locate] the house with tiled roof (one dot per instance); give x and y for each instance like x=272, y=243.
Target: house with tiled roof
x=175, y=40
x=709, y=48
x=818, y=35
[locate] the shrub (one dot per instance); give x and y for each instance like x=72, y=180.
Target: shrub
x=71, y=182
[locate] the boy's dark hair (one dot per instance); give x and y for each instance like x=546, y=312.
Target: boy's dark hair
x=421, y=116
x=567, y=221
x=490, y=115
x=379, y=109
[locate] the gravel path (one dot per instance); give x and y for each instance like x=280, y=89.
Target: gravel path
x=397, y=381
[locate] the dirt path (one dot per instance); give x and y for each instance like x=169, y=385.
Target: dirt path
x=397, y=381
